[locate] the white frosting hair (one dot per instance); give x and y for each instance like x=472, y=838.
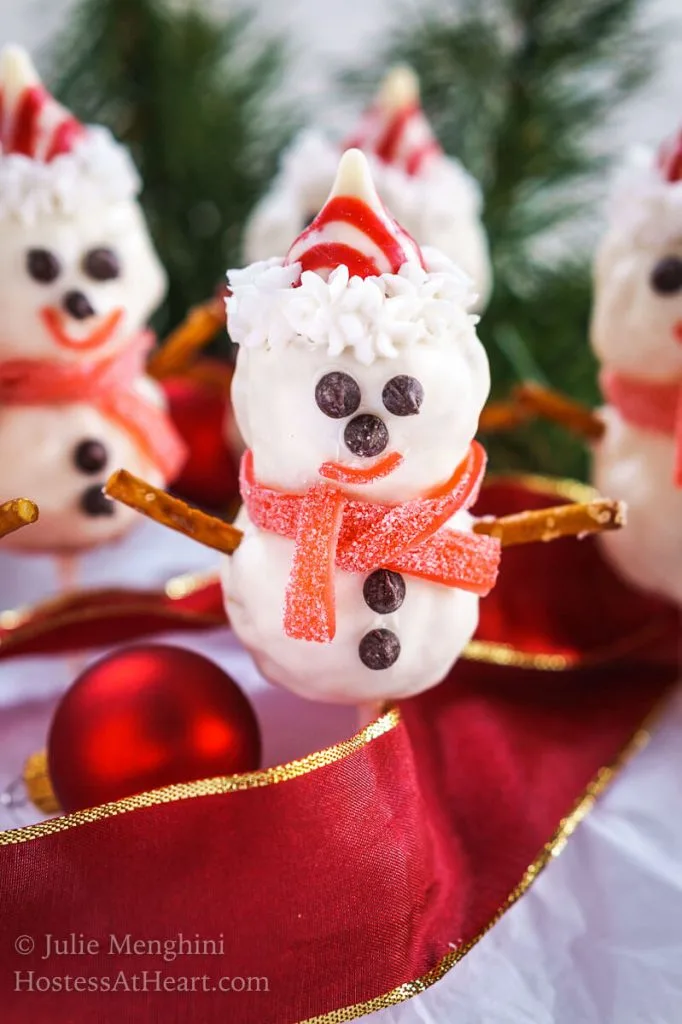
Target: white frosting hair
x=643, y=207
x=274, y=305
x=400, y=296
x=49, y=162
x=98, y=170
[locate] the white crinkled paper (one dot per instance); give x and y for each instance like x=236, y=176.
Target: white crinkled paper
x=372, y=316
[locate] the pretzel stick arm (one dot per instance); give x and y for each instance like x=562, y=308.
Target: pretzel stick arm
x=551, y=523
x=550, y=405
x=15, y=514
x=172, y=512
x=502, y=416
x=184, y=344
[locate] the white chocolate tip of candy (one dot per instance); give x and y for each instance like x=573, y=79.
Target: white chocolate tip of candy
x=354, y=178
x=17, y=71
x=399, y=89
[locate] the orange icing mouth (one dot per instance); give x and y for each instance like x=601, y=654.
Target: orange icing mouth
x=343, y=474
x=55, y=320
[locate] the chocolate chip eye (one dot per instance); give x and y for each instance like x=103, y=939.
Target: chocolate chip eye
x=666, y=277
x=42, y=265
x=90, y=456
x=403, y=395
x=101, y=264
x=337, y=395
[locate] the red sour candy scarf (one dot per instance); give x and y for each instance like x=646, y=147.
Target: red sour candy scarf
x=330, y=530
x=648, y=405
x=109, y=385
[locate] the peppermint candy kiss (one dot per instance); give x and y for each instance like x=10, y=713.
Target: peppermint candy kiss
x=32, y=123
x=395, y=129
x=354, y=229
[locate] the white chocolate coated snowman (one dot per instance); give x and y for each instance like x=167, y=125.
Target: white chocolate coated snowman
x=78, y=279
x=637, y=336
x=358, y=387
x=430, y=194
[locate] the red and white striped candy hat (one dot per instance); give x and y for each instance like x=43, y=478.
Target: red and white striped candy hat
x=395, y=129
x=354, y=229
x=32, y=123
x=670, y=159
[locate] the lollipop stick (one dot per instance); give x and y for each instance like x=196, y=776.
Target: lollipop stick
x=183, y=345
x=15, y=514
x=551, y=523
x=172, y=512
x=538, y=400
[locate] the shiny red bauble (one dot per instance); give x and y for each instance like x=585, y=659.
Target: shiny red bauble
x=145, y=717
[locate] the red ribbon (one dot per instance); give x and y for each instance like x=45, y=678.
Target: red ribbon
x=649, y=405
x=359, y=536
x=108, y=384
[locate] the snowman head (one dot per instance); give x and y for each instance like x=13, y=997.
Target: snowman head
x=430, y=194
x=78, y=273
x=359, y=361
x=637, y=315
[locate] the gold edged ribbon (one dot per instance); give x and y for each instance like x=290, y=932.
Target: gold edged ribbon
x=209, y=787
x=549, y=851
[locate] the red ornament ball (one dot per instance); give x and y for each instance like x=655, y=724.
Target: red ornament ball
x=145, y=717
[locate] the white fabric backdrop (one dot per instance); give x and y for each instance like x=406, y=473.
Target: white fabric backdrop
x=597, y=939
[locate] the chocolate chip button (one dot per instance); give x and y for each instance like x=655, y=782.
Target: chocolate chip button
x=379, y=648
x=403, y=395
x=384, y=591
x=90, y=456
x=366, y=435
x=94, y=502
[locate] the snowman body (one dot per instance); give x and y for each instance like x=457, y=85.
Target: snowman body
x=79, y=278
x=432, y=625
x=637, y=466
x=61, y=452
x=396, y=634
x=636, y=333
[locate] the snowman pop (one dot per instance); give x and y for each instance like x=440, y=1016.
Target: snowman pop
x=78, y=279
x=358, y=387
x=430, y=194
x=636, y=333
